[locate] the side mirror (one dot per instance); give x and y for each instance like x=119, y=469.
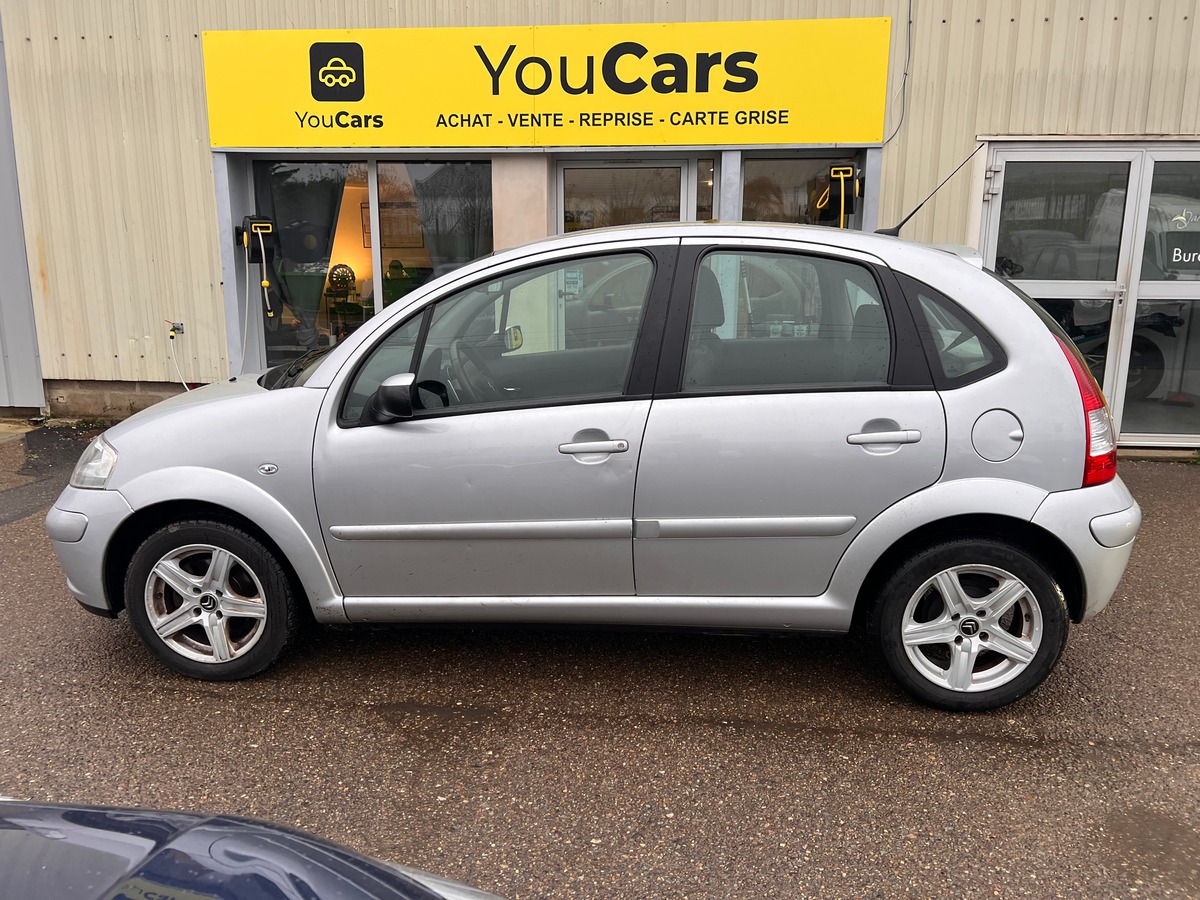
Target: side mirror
x=514, y=339
x=394, y=399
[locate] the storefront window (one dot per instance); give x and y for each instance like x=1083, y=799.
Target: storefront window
x=790, y=190
x=320, y=252
x=621, y=195
x=433, y=218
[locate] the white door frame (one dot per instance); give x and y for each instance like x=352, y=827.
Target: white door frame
x=1188, y=291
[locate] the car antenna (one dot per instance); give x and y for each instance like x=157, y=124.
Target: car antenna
x=894, y=231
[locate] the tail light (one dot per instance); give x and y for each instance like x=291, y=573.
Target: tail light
x=1100, y=454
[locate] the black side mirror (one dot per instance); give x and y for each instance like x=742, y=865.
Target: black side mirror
x=394, y=399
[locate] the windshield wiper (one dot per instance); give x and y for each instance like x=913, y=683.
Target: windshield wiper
x=299, y=365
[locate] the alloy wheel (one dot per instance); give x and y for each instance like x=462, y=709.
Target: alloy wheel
x=205, y=603
x=972, y=628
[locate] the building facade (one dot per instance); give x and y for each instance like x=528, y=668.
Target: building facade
x=165, y=159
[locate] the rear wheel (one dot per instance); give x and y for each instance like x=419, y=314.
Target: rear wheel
x=210, y=600
x=971, y=624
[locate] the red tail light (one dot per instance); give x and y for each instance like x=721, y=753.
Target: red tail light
x=1100, y=456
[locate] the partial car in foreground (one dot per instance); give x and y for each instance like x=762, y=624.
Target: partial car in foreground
x=112, y=853
x=724, y=426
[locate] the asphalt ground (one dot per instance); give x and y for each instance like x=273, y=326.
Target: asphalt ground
x=609, y=764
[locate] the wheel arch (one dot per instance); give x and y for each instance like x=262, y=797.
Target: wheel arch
x=145, y=521
x=1032, y=539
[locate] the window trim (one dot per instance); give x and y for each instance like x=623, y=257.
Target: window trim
x=907, y=368
x=643, y=360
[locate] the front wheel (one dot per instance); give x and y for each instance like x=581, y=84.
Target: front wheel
x=971, y=624
x=210, y=600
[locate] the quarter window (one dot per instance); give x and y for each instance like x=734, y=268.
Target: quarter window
x=959, y=350
x=764, y=319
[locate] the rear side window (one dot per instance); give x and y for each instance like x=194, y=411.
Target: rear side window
x=958, y=348
x=766, y=319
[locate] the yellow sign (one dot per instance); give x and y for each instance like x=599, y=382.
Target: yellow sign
x=812, y=81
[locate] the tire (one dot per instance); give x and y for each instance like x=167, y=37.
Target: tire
x=210, y=601
x=1146, y=367
x=998, y=637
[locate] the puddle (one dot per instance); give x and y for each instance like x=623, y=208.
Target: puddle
x=1161, y=843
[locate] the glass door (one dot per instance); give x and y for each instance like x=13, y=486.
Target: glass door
x=1161, y=400
x=1061, y=226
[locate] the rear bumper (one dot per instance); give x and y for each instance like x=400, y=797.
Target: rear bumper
x=81, y=523
x=1098, y=524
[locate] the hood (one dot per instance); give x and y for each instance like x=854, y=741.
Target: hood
x=201, y=396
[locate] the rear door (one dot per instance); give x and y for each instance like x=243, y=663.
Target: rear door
x=793, y=406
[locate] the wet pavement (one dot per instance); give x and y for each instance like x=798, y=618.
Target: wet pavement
x=553, y=763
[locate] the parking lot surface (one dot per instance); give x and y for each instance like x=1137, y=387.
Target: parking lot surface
x=616, y=764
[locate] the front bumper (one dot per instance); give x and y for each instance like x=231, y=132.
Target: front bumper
x=81, y=524
x=1098, y=525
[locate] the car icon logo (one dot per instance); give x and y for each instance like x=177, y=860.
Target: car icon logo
x=336, y=71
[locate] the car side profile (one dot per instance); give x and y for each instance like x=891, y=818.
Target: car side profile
x=718, y=425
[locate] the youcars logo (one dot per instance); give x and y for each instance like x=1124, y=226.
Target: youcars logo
x=336, y=71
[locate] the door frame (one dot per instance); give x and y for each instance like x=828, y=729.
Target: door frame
x=1156, y=290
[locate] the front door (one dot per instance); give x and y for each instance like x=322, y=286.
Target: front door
x=516, y=477
x=784, y=432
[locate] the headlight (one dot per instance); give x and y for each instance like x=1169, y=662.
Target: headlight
x=95, y=465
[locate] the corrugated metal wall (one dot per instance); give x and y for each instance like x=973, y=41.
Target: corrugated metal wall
x=116, y=175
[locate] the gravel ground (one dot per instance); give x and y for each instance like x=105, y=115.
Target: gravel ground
x=553, y=763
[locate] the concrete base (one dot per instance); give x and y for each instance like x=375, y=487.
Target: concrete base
x=20, y=413
x=105, y=399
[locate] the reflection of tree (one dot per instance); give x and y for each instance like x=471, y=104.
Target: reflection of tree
x=455, y=203
x=630, y=197
x=762, y=200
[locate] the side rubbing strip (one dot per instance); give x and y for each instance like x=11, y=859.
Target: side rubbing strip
x=570, y=529
x=773, y=526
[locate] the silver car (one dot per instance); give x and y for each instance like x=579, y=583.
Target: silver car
x=723, y=426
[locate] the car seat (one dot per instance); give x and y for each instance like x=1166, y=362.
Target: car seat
x=705, y=348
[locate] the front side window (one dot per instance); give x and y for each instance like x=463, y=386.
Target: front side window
x=767, y=319
x=558, y=332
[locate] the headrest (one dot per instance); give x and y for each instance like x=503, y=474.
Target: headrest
x=870, y=321
x=710, y=305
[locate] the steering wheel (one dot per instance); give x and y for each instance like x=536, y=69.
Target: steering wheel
x=473, y=373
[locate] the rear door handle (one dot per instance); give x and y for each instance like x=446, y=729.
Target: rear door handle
x=579, y=447
x=908, y=436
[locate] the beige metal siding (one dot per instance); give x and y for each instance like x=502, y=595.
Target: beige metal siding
x=116, y=175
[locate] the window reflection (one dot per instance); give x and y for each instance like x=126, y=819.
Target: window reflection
x=1061, y=220
x=433, y=217
x=789, y=190
x=621, y=195
x=320, y=255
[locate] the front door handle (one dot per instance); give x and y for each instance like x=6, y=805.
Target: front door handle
x=907, y=436
x=579, y=447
